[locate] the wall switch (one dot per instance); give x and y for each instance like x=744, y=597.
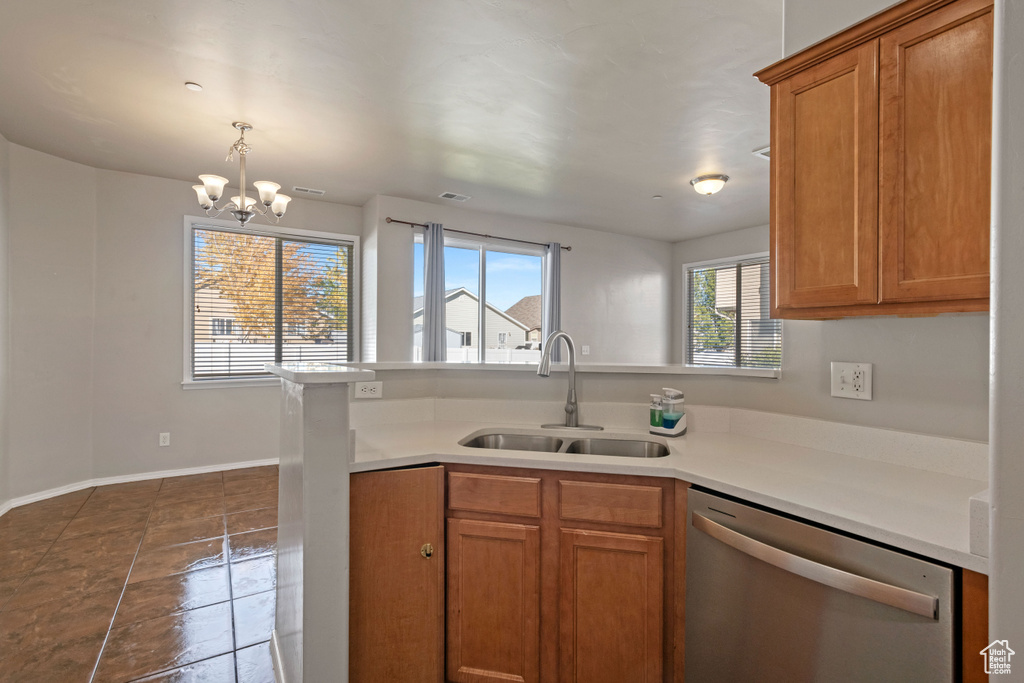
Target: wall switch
x=369, y=389
x=165, y=438
x=851, y=380
x=586, y=349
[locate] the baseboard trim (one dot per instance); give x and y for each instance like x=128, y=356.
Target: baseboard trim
x=275, y=657
x=124, y=478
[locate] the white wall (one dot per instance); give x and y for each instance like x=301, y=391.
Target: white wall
x=96, y=291
x=930, y=375
x=616, y=290
x=1006, y=598
x=806, y=22
x=52, y=215
x=5, y=195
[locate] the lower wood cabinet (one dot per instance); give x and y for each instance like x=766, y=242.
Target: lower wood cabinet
x=396, y=598
x=611, y=607
x=562, y=577
x=493, y=602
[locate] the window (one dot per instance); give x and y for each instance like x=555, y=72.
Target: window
x=506, y=319
x=264, y=296
x=221, y=326
x=728, y=309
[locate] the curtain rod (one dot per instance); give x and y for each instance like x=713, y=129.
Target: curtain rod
x=389, y=219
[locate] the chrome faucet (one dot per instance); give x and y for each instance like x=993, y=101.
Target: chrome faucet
x=572, y=407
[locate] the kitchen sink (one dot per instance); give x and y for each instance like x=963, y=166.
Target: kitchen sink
x=629, y=448
x=516, y=442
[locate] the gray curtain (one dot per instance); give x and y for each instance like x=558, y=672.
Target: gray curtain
x=551, y=306
x=435, y=347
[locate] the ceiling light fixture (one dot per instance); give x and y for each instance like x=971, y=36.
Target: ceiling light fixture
x=242, y=208
x=194, y=87
x=709, y=184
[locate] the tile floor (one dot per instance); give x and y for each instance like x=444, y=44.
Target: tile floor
x=160, y=580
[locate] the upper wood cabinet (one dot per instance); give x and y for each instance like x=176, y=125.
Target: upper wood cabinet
x=881, y=148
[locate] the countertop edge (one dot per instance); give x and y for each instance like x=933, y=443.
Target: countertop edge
x=372, y=459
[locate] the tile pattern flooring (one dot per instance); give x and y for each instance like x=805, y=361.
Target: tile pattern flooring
x=160, y=580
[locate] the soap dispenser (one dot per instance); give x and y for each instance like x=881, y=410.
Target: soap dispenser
x=673, y=419
x=656, y=412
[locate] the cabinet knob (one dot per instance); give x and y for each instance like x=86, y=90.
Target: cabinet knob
x=427, y=550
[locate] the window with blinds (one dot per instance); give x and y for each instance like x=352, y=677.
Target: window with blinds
x=261, y=298
x=728, y=309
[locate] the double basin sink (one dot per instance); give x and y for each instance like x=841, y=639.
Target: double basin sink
x=629, y=448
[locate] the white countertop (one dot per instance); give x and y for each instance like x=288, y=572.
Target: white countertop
x=920, y=511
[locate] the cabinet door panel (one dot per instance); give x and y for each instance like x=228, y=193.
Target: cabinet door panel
x=936, y=112
x=396, y=605
x=825, y=176
x=493, y=602
x=612, y=597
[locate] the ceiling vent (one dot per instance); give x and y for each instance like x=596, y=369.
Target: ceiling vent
x=309, y=191
x=453, y=196
x=763, y=152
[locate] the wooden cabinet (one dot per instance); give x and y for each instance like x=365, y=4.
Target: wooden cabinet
x=612, y=601
x=881, y=148
x=493, y=602
x=559, y=576
x=396, y=604
x=974, y=625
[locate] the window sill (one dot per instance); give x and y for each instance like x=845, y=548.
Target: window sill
x=191, y=384
x=603, y=368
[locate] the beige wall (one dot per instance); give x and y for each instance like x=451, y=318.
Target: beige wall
x=606, y=277
x=4, y=317
x=930, y=374
x=52, y=216
x=139, y=337
x=805, y=22
x=96, y=313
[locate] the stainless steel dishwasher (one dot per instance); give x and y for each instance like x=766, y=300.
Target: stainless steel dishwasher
x=769, y=598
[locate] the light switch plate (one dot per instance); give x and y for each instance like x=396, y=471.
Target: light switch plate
x=851, y=380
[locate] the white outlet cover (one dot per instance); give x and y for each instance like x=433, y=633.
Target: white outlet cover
x=368, y=390
x=845, y=384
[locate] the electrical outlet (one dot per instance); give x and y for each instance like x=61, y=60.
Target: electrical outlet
x=165, y=438
x=851, y=380
x=369, y=389
x=586, y=349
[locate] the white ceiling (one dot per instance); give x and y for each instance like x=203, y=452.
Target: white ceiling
x=570, y=111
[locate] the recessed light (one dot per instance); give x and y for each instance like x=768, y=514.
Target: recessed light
x=194, y=87
x=657, y=196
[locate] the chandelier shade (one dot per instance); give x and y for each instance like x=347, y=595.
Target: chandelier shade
x=270, y=205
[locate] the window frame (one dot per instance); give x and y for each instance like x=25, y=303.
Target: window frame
x=275, y=231
x=687, y=304
x=482, y=245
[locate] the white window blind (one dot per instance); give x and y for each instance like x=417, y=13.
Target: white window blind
x=728, y=316
x=260, y=298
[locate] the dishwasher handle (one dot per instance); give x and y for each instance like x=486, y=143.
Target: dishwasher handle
x=894, y=596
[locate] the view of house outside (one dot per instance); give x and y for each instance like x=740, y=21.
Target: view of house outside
x=235, y=297
x=719, y=310
x=511, y=311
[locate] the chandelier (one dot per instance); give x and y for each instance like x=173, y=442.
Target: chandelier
x=241, y=207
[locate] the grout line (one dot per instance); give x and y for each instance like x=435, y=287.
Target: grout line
x=231, y=590
x=124, y=588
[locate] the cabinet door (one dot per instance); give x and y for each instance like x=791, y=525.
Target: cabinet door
x=396, y=613
x=493, y=602
x=936, y=113
x=825, y=183
x=611, y=601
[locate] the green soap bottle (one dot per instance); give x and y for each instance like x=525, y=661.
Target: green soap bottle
x=656, y=414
